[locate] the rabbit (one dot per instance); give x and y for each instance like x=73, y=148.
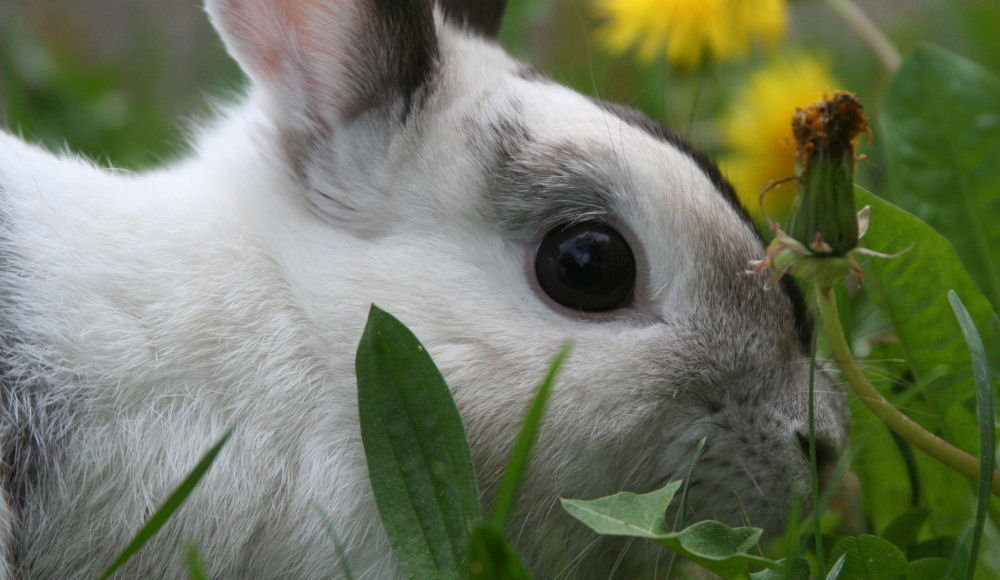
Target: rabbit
x=386, y=153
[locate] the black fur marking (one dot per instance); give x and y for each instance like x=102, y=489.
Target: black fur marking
x=482, y=16
x=406, y=46
x=802, y=318
x=641, y=121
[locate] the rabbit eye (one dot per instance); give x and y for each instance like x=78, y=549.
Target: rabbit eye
x=587, y=266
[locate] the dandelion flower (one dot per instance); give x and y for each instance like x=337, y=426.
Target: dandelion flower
x=758, y=131
x=687, y=32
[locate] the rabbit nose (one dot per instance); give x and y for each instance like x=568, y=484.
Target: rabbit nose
x=827, y=452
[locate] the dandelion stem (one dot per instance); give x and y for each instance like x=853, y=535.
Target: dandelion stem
x=902, y=425
x=866, y=29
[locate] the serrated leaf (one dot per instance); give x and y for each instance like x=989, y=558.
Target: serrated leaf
x=941, y=134
x=869, y=558
x=626, y=513
x=911, y=292
x=418, y=457
x=713, y=545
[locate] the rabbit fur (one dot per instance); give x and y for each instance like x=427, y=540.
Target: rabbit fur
x=388, y=153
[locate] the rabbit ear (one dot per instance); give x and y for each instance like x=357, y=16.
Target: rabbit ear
x=482, y=16
x=321, y=63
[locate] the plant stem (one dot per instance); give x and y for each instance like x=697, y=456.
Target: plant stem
x=902, y=425
x=866, y=29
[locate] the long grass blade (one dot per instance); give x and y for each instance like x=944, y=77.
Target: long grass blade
x=682, y=509
x=169, y=506
x=521, y=451
x=338, y=545
x=987, y=426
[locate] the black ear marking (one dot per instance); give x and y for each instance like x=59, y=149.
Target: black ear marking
x=481, y=16
x=412, y=57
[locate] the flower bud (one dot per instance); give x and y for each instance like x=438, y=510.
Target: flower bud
x=824, y=217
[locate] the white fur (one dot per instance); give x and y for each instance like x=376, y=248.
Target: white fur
x=159, y=309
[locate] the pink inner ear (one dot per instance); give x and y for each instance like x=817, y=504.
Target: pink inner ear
x=283, y=42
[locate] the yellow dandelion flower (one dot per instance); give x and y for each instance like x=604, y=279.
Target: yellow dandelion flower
x=758, y=131
x=687, y=32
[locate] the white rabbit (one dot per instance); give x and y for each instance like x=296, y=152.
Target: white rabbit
x=387, y=153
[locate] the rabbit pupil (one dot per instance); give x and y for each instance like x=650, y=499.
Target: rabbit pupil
x=587, y=266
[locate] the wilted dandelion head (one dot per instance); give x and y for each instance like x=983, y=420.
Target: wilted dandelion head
x=758, y=131
x=688, y=32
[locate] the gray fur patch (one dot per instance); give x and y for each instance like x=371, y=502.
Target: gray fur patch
x=27, y=408
x=533, y=186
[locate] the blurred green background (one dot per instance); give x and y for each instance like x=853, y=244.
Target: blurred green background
x=120, y=80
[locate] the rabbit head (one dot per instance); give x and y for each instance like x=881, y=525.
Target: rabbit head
x=390, y=152
x=501, y=213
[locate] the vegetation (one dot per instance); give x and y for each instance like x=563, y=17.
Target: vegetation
x=922, y=327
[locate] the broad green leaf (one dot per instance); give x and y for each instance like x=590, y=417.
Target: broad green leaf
x=526, y=438
x=911, y=292
x=941, y=133
x=626, y=513
x=987, y=425
x=942, y=547
x=418, y=456
x=905, y=529
x=169, y=505
x=492, y=557
x=713, y=545
x=798, y=570
x=927, y=569
x=869, y=558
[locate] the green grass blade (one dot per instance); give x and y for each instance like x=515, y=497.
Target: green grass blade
x=418, y=456
x=338, y=545
x=987, y=425
x=492, y=557
x=196, y=569
x=837, y=567
x=682, y=509
x=521, y=451
x=169, y=506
